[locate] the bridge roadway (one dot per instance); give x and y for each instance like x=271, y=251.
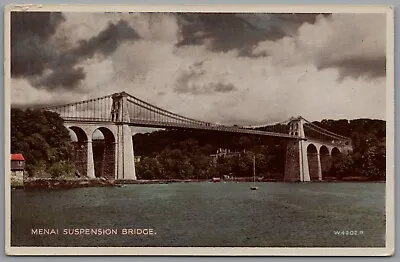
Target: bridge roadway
x=205, y=126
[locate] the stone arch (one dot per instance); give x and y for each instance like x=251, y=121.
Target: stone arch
x=80, y=149
x=312, y=155
x=326, y=161
x=104, y=153
x=79, y=133
x=335, y=155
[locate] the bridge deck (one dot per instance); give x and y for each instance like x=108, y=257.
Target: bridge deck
x=156, y=124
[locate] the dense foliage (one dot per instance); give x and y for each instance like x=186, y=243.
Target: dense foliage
x=187, y=154
x=190, y=158
x=369, y=148
x=43, y=140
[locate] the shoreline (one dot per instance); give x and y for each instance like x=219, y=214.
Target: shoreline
x=69, y=183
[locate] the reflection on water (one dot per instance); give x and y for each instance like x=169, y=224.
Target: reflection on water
x=203, y=214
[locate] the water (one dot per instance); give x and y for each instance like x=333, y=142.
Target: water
x=207, y=214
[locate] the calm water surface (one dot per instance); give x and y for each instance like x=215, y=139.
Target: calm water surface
x=206, y=214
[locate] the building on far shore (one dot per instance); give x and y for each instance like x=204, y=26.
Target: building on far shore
x=223, y=152
x=17, y=169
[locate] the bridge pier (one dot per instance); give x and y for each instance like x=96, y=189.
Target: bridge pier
x=116, y=156
x=90, y=160
x=120, y=116
x=296, y=167
x=125, y=160
x=319, y=167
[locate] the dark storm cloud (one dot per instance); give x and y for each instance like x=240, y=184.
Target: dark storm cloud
x=105, y=43
x=32, y=53
x=226, y=31
x=356, y=46
x=61, y=77
x=238, y=31
x=356, y=67
x=107, y=40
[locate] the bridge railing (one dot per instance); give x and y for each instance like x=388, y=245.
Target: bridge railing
x=207, y=126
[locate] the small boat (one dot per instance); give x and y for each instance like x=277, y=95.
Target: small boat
x=216, y=180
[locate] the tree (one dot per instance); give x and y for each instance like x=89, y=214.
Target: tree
x=342, y=166
x=43, y=140
x=148, y=168
x=186, y=153
x=368, y=157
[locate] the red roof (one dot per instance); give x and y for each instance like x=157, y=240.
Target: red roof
x=17, y=157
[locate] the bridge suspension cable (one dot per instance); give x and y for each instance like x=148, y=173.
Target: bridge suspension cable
x=284, y=122
x=96, y=109
x=323, y=131
x=159, y=112
x=142, y=113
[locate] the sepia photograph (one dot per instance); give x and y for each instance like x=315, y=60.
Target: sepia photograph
x=152, y=131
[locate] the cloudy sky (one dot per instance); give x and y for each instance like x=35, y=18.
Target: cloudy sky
x=226, y=68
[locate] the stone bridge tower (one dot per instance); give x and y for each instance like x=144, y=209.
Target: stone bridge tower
x=118, y=158
x=124, y=144
x=308, y=159
x=296, y=166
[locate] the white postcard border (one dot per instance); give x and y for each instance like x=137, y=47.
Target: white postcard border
x=202, y=251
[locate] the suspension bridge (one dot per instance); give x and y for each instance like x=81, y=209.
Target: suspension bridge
x=310, y=148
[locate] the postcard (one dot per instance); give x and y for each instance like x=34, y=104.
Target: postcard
x=221, y=130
